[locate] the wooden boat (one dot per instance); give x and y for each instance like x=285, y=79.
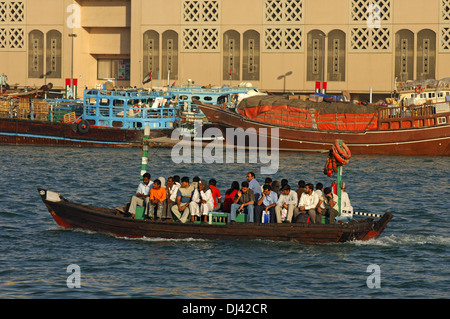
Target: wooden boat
x=102, y=119
x=78, y=216
x=419, y=124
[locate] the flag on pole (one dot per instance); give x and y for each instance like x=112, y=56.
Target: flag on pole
x=147, y=78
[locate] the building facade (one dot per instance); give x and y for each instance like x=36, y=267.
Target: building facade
x=277, y=45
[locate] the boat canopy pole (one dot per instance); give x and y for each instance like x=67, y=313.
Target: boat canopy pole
x=145, y=151
x=339, y=180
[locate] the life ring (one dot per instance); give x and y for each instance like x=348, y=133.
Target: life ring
x=344, y=151
x=419, y=89
x=83, y=127
x=338, y=156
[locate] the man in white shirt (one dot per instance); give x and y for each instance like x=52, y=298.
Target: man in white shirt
x=142, y=195
x=287, y=200
x=346, y=206
x=330, y=201
x=308, y=203
x=173, y=186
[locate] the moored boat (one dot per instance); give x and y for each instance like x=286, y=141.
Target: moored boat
x=102, y=119
x=110, y=221
x=314, y=126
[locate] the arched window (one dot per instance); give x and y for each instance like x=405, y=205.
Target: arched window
x=35, y=54
x=336, y=56
x=150, y=53
x=53, y=54
x=426, y=55
x=404, y=55
x=315, y=58
x=251, y=56
x=231, y=55
x=170, y=55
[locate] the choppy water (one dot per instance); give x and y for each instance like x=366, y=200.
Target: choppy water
x=412, y=253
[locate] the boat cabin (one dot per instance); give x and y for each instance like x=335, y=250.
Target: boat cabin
x=187, y=94
x=130, y=109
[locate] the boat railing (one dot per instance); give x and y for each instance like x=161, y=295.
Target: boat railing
x=130, y=116
x=391, y=112
x=396, y=117
x=94, y=93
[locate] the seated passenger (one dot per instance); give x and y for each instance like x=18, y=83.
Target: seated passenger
x=230, y=194
x=266, y=203
x=142, y=195
x=184, y=196
x=173, y=184
x=157, y=200
x=330, y=201
x=288, y=201
x=216, y=194
x=307, y=204
x=254, y=185
x=243, y=202
x=346, y=206
x=301, y=189
x=206, y=199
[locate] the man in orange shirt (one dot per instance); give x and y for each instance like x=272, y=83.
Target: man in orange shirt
x=157, y=200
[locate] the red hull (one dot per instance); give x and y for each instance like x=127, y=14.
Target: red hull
x=28, y=132
x=430, y=140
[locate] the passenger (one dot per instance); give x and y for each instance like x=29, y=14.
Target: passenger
x=195, y=181
x=216, y=194
x=254, y=185
x=184, y=195
x=266, y=203
x=276, y=187
x=319, y=192
x=319, y=189
x=168, y=204
x=206, y=199
x=284, y=182
x=330, y=202
x=243, y=202
x=194, y=208
x=346, y=206
x=267, y=181
x=301, y=189
x=172, y=195
x=288, y=201
x=230, y=194
x=142, y=195
x=307, y=204
x=157, y=200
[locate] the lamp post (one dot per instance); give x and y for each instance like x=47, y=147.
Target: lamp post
x=72, y=35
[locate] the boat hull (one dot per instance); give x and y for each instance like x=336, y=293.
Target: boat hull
x=432, y=140
x=32, y=132
x=71, y=215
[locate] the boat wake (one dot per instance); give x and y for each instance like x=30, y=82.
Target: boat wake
x=402, y=240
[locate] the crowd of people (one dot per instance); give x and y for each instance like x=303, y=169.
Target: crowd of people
x=274, y=202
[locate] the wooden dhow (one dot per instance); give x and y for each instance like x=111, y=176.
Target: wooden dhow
x=110, y=221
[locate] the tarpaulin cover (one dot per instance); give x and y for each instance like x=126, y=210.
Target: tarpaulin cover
x=308, y=114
